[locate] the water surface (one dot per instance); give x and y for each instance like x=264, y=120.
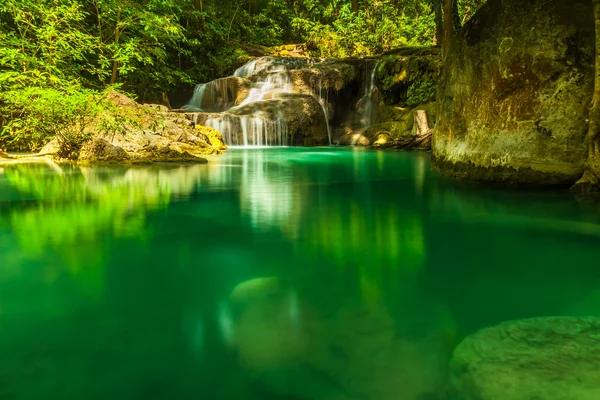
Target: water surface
x=285, y=273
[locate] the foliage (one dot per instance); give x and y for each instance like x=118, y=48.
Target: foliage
x=59, y=57
x=38, y=114
x=420, y=91
x=369, y=31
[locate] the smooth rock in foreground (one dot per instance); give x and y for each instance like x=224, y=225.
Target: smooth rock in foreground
x=553, y=358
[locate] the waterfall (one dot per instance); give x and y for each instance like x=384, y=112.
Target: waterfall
x=367, y=102
x=259, y=65
x=323, y=98
x=250, y=130
x=275, y=83
x=251, y=107
x=216, y=96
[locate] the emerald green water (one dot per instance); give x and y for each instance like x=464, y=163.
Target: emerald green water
x=272, y=274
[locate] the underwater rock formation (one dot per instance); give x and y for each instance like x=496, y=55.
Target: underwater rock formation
x=288, y=345
x=514, y=93
x=551, y=358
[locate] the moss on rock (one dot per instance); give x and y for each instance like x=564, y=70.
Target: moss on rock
x=143, y=133
x=514, y=93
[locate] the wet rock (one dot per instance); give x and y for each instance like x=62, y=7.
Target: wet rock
x=220, y=94
x=515, y=90
x=363, y=141
x=288, y=119
x=214, y=137
x=383, y=140
x=349, y=139
x=396, y=126
x=553, y=358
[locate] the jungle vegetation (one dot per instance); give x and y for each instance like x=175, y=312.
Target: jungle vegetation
x=59, y=57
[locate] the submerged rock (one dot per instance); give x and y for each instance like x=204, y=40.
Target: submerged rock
x=553, y=358
x=144, y=133
x=515, y=91
x=296, y=349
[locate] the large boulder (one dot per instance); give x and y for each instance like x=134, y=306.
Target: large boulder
x=514, y=94
x=131, y=132
x=553, y=358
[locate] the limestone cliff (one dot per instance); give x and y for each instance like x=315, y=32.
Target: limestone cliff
x=514, y=93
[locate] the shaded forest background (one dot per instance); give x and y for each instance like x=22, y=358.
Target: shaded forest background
x=59, y=57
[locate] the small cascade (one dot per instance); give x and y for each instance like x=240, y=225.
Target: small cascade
x=249, y=130
x=216, y=96
x=270, y=86
x=367, y=103
x=323, y=98
x=259, y=65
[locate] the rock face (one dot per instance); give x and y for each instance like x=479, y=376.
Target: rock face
x=144, y=133
x=514, y=94
x=554, y=358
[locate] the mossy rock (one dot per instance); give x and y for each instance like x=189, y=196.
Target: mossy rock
x=215, y=138
x=408, y=80
x=517, y=83
x=383, y=140
x=549, y=358
x=397, y=122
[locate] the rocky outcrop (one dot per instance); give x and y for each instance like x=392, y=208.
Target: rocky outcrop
x=262, y=103
x=514, y=94
x=553, y=358
x=130, y=132
x=402, y=82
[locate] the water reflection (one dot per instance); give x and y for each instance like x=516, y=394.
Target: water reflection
x=271, y=274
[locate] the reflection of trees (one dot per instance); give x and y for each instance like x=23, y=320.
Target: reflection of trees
x=80, y=204
x=68, y=217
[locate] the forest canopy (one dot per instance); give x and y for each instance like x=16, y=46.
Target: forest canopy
x=58, y=57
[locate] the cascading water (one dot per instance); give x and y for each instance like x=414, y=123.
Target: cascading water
x=323, y=98
x=216, y=96
x=367, y=102
x=255, y=105
x=272, y=85
x=249, y=130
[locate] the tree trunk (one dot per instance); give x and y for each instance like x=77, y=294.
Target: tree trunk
x=354, y=5
x=455, y=17
x=421, y=124
x=590, y=181
x=115, y=66
x=451, y=23
x=439, y=23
